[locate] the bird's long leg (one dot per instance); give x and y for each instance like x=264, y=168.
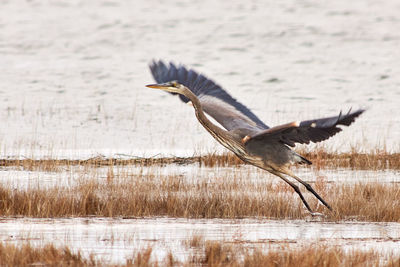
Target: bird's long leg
x=309, y=188
x=296, y=188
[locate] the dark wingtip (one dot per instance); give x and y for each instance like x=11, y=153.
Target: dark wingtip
x=350, y=117
x=199, y=84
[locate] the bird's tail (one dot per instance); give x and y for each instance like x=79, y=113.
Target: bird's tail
x=300, y=159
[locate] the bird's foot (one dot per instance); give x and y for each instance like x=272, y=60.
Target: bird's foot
x=316, y=217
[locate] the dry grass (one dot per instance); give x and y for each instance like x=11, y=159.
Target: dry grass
x=139, y=198
x=219, y=254
x=195, y=241
x=373, y=160
x=175, y=196
x=48, y=255
x=370, y=202
x=209, y=254
x=321, y=158
x=129, y=195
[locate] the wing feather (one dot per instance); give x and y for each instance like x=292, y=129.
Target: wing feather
x=215, y=101
x=306, y=131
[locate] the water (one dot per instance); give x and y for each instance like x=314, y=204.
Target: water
x=72, y=81
x=116, y=240
x=72, y=76
x=190, y=174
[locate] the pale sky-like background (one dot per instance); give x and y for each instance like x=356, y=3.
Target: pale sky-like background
x=72, y=73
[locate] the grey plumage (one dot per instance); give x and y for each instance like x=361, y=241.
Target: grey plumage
x=308, y=131
x=246, y=135
x=205, y=90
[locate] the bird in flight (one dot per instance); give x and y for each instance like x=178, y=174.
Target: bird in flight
x=268, y=148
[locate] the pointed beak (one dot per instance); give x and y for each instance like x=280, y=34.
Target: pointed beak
x=157, y=86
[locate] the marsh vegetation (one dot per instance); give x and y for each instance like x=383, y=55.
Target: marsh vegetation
x=321, y=158
x=139, y=187
x=204, y=253
x=212, y=186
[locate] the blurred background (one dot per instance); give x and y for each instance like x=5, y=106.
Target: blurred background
x=72, y=73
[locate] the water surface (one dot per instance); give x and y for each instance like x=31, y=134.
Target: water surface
x=116, y=240
x=68, y=176
x=72, y=82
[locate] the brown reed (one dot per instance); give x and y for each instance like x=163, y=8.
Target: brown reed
x=175, y=196
x=48, y=255
x=321, y=158
x=210, y=253
x=220, y=254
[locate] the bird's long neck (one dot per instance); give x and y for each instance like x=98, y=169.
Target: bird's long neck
x=213, y=129
x=222, y=136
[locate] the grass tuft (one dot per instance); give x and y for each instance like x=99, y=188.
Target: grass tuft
x=224, y=198
x=24, y=255
x=211, y=253
x=320, y=157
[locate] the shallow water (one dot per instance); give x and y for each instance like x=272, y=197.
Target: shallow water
x=116, y=240
x=72, y=81
x=72, y=76
x=191, y=174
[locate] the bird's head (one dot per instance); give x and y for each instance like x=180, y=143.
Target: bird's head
x=172, y=87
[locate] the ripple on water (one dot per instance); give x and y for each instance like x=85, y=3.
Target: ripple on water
x=117, y=239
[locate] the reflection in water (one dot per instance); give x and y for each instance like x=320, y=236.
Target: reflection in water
x=118, y=239
x=192, y=173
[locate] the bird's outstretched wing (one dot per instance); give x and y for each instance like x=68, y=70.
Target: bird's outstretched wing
x=214, y=100
x=305, y=131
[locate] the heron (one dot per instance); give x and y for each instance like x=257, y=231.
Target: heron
x=242, y=132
